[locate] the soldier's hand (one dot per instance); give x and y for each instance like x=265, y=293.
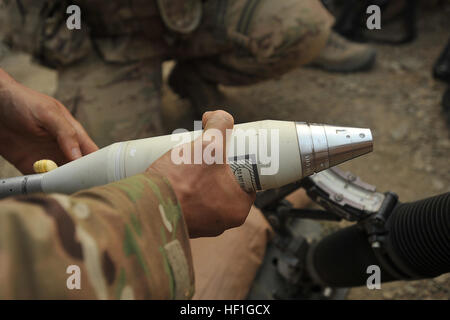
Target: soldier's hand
x=211, y=199
x=34, y=126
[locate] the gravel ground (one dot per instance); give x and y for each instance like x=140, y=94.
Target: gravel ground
x=399, y=100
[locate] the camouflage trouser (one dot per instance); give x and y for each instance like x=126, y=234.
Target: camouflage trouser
x=247, y=41
x=113, y=85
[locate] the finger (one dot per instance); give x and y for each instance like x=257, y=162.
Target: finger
x=65, y=134
x=205, y=117
x=86, y=143
x=216, y=114
x=219, y=120
x=210, y=118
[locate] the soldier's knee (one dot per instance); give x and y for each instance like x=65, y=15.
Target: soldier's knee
x=289, y=33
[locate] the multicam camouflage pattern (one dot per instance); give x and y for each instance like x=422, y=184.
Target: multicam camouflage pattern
x=121, y=17
x=125, y=30
x=128, y=238
x=248, y=41
x=33, y=26
x=246, y=36
x=132, y=27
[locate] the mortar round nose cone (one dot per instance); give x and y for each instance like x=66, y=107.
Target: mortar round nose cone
x=323, y=146
x=347, y=143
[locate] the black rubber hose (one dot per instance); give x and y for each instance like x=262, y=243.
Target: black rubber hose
x=419, y=236
x=418, y=243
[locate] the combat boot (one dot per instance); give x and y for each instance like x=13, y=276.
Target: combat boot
x=187, y=83
x=342, y=55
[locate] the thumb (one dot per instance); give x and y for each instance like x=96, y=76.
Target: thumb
x=221, y=121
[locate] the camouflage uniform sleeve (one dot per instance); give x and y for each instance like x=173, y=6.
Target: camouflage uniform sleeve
x=125, y=240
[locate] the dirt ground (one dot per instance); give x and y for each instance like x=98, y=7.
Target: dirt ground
x=399, y=100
